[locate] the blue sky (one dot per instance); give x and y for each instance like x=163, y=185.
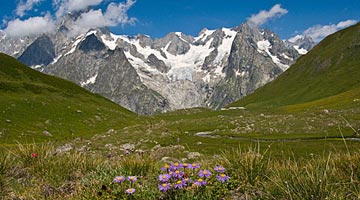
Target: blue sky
x=159, y=17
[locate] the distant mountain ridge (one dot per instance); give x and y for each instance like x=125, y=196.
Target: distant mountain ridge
x=329, y=69
x=177, y=71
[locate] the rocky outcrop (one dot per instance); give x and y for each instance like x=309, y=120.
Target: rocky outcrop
x=118, y=81
x=250, y=66
x=40, y=52
x=91, y=43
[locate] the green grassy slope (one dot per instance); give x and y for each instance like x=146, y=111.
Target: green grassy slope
x=330, y=68
x=32, y=103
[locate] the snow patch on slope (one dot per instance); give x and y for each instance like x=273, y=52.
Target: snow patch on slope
x=91, y=80
x=300, y=50
x=202, y=37
x=264, y=46
x=110, y=42
x=74, y=45
x=225, y=47
x=183, y=65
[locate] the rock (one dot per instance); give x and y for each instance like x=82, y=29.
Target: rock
x=40, y=52
x=110, y=131
x=140, y=152
x=156, y=147
x=63, y=149
x=193, y=155
x=128, y=147
x=83, y=149
x=47, y=133
x=169, y=160
x=165, y=159
x=109, y=146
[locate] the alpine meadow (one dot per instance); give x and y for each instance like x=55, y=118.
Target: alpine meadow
x=237, y=113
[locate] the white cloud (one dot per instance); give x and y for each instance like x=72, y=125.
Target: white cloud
x=88, y=20
x=31, y=26
x=64, y=6
x=116, y=14
x=346, y=23
x=263, y=16
x=24, y=6
x=319, y=32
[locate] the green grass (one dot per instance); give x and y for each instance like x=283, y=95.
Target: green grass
x=254, y=174
x=32, y=103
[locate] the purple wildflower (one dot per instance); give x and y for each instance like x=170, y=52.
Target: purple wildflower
x=186, y=181
x=200, y=182
x=175, y=166
x=130, y=191
x=119, y=179
x=164, y=177
x=166, y=167
x=219, y=169
x=179, y=184
x=185, y=165
x=223, y=178
x=132, y=178
x=204, y=173
x=177, y=174
x=194, y=166
x=163, y=187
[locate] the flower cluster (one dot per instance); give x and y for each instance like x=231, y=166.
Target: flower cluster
x=131, y=179
x=222, y=177
x=177, y=176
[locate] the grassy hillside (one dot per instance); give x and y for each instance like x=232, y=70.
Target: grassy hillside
x=38, y=107
x=330, y=68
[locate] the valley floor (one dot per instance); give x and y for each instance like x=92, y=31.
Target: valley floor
x=267, y=155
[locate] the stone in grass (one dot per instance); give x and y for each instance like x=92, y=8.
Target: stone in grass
x=63, y=149
x=158, y=146
x=128, y=147
x=47, y=133
x=168, y=160
x=193, y=155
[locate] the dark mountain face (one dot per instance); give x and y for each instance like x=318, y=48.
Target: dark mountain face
x=91, y=43
x=40, y=52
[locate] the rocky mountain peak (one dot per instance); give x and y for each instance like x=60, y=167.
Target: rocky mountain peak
x=302, y=42
x=144, y=40
x=175, y=43
x=40, y=52
x=91, y=43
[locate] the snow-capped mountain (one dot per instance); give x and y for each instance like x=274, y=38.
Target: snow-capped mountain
x=14, y=46
x=301, y=43
x=174, y=72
